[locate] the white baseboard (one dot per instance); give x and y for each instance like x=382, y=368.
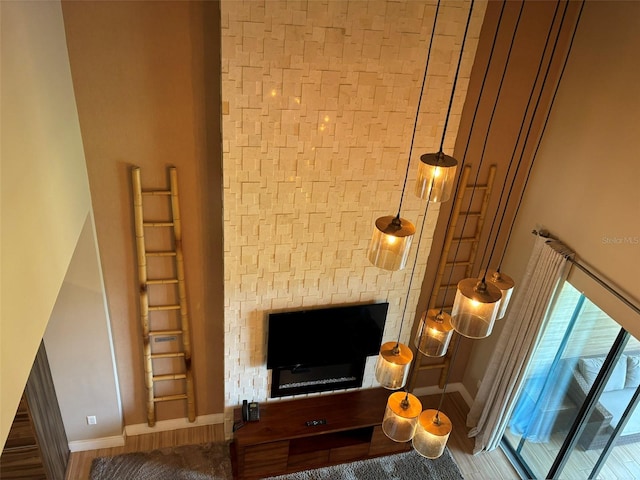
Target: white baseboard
x=173, y=424
x=141, y=428
x=96, y=443
x=452, y=387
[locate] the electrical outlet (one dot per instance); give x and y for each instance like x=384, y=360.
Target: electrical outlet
x=91, y=420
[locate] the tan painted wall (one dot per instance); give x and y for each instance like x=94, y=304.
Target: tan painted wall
x=584, y=184
x=44, y=189
x=146, y=80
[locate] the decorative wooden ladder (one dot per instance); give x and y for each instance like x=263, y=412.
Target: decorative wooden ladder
x=442, y=292
x=174, y=364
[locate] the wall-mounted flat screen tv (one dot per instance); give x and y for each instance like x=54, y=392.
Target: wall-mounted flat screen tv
x=325, y=336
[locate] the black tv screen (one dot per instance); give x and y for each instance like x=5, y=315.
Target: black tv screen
x=325, y=336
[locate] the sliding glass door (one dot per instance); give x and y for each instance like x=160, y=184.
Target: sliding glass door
x=574, y=416
x=609, y=445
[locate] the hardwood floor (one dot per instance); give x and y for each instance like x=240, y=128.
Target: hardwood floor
x=494, y=465
x=486, y=465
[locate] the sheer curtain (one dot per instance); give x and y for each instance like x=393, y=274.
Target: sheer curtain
x=505, y=373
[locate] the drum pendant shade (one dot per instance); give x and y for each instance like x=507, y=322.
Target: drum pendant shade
x=505, y=284
x=434, y=333
x=390, y=242
x=401, y=416
x=392, y=368
x=475, y=308
x=436, y=177
x=432, y=433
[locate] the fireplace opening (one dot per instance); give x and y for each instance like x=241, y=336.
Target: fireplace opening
x=301, y=379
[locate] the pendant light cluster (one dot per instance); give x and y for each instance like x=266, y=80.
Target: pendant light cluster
x=404, y=419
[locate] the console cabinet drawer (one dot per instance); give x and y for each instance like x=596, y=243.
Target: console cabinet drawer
x=308, y=459
x=267, y=458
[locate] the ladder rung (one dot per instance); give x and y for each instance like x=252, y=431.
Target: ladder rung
x=470, y=214
x=456, y=263
x=168, y=398
x=169, y=376
x=160, y=253
x=477, y=187
x=450, y=286
x=463, y=239
x=167, y=355
x=165, y=332
x=162, y=281
x=156, y=192
x=156, y=308
x=157, y=224
x=432, y=366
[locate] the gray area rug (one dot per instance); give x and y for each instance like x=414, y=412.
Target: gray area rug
x=402, y=466
x=209, y=461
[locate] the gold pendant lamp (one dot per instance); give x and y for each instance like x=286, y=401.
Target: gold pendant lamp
x=394, y=362
x=436, y=176
x=432, y=433
x=475, y=308
x=401, y=416
x=434, y=333
x=506, y=285
x=390, y=242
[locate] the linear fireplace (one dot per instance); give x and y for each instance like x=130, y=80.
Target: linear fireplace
x=322, y=349
x=295, y=380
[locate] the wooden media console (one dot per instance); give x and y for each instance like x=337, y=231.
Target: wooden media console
x=312, y=432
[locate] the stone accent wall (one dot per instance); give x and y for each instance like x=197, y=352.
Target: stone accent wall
x=319, y=103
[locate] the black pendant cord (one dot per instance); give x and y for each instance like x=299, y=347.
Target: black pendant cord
x=413, y=136
x=415, y=124
x=466, y=149
x=446, y=380
x=527, y=136
x=455, y=78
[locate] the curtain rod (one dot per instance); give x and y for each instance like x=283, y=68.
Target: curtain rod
x=602, y=282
